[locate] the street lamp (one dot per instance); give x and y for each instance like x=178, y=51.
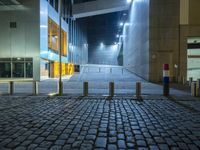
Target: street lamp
x=60, y=84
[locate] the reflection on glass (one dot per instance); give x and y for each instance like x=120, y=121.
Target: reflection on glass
x=5, y=69
x=18, y=69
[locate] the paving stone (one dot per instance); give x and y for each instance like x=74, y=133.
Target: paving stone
x=60, y=142
x=112, y=147
x=112, y=139
x=101, y=142
x=32, y=146
x=141, y=143
x=90, y=137
x=163, y=146
x=121, y=136
x=45, y=144
x=121, y=144
x=39, y=140
x=130, y=145
x=76, y=144
x=20, y=148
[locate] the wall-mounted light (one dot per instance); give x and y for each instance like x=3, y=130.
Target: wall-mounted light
x=117, y=35
x=101, y=45
x=85, y=45
x=121, y=24
x=129, y=1
x=43, y=26
x=127, y=24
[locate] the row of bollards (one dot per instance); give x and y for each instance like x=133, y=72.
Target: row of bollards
x=112, y=89
x=195, y=87
x=111, y=70
x=11, y=88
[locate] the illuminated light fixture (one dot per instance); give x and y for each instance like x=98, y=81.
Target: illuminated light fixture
x=115, y=43
x=85, y=45
x=127, y=24
x=18, y=58
x=43, y=26
x=101, y=45
x=129, y=1
x=121, y=24
x=52, y=94
x=117, y=35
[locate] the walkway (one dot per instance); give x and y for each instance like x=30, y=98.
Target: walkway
x=98, y=77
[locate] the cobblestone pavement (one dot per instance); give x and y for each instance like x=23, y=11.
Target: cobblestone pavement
x=98, y=123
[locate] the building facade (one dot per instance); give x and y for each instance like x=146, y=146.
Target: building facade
x=29, y=40
x=163, y=31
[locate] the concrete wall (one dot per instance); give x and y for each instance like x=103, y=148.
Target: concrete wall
x=136, y=39
x=191, y=29
x=194, y=11
x=164, y=37
x=22, y=41
x=104, y=54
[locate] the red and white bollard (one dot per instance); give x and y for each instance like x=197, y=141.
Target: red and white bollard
x=166, y=74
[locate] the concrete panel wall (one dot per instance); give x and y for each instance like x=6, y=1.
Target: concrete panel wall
x=194, y=11
x=164, y=37
x=104, y=54
x=136, y=39
x=22, y=41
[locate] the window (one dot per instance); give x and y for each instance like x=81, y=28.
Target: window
x=29, y=69
x=21, y=67
x=18, y=70
x=5, y=69
x=53, y=38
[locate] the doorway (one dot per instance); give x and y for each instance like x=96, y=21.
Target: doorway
x=193, y=58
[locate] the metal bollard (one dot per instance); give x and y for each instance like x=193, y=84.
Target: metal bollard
x=193, y=89
x=110, y=70
x=138, y=90
x=184, y=80
x=198, y=87
x=190, y=81
x=35, y=88
x=166, y=75
x=99, y=69
x=85, y=88
x=60, y=87
x=111, y=89
x=11, y=88
x=122, y=71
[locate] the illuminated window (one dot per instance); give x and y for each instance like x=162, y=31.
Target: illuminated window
x=53, y=38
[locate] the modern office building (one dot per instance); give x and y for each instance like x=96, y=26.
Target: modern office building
x=29, y=40
x=141, y=35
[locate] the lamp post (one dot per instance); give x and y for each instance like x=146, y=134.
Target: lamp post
x=60, y=84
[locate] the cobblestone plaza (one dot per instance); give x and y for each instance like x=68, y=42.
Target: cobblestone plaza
x=88, y=123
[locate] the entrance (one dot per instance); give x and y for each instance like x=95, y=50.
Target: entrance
x=193, y=58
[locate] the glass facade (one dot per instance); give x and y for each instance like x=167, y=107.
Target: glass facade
x=5, y=69
x=16, y=68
